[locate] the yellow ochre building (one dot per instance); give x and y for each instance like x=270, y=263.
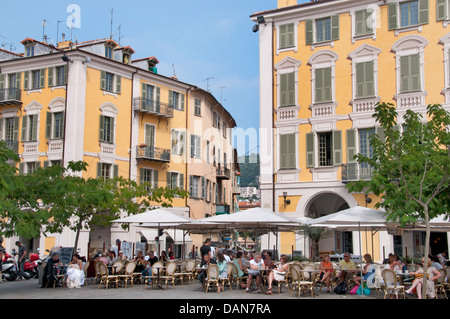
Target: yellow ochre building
x=323, y=67
x=91, y=101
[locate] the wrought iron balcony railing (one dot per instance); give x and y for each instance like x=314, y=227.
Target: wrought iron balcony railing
x=152, y=153
x=152, y=107
x=10, y=96
x=223, y=172
x=356, y=172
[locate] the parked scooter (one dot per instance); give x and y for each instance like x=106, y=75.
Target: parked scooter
x=30, y=269
x=9, y=268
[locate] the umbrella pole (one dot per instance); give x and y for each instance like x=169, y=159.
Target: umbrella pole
x=360, y=251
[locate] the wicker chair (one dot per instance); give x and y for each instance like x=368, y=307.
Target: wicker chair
x=390, y=283
x=307, y=281
x=170, y=274
x=85, y=268
x=440, y=283
x=106, y=278
x=186, y=271
x=156, y=268
x=129, y=272
x=228, y=279
x=235, y=276
x=294, y=278
x=284, y=281
x=212, y=276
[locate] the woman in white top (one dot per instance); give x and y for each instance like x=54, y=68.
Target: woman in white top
x=75, y=273
x=417, y=283
x=256, y=265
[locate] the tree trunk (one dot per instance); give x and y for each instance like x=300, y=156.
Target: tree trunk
x=77, y=236
x=315, y=250
x=426, y=253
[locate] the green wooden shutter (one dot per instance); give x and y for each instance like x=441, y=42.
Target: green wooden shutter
x=141, y=176
x=364, y=79
x=327, y=85
x=423, y=11
x=359, y=22
x=18, y=78
x=310, y=153
x=287, y=89
x=144, y=97
x=351, y=145
x=66, y=73
x=415, y=72
x=48, y=125
x=441, y=10
x=26, y=80
x=181, y=181
x=34, y=128
x=337, y=147
x=118, y=84
x=380, y=132
x=392, y=16
x=111, y=130
x=169, y=180
x=158, y=94
x=46, y=164
x=1, y=128
x=2, y=81
x=155, y=178
x=24, y=128
x=369, y=78
x=404, y=73
x=149, y=135
x=191, y=187
x=63, y=123
x=309, y=39
x=103, y=80
x=182, y=98
x=115, y=170
x=319, y=85
x=51, y=71
x=21, y=168
x=102, y=130
x=99, y=170
x=335, y=27
x=171, y=99
x=283, y=37
x=42, y=78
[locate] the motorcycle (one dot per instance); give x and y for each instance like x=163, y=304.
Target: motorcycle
x=30, y=269
x=9, y=268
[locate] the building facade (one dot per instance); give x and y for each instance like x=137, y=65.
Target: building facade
x=323, y=67
x=91, y=101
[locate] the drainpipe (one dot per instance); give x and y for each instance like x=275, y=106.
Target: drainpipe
x=131, y=126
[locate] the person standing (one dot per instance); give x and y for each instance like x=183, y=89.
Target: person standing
x=206, y=248
x=21, y=258
x=115, y=247
x=2, y=255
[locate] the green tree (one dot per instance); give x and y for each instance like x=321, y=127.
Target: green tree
x=411, y=169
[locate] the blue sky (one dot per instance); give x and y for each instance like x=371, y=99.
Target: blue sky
x=200, y=39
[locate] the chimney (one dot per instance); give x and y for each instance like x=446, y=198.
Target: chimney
x=286, y=3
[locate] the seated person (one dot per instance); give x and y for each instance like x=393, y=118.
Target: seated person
x=256, y=265
x=206, y=261
x=140, y=262
x=326, y=268
x=432, y=275
x=75, y=273
x=149, y=260
x=50, y=270
x=347, y=268
x=278, y=273
x=368, y=270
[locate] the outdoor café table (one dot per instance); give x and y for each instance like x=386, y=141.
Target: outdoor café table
x=158, y=285
x=401, y=277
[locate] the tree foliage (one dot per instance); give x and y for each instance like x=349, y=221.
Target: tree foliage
x=411, y=166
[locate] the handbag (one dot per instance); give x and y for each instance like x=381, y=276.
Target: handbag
x=363, y=290
x=341, y=288
x=354, y=290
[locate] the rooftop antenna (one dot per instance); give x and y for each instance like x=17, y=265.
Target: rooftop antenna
x=44, y=37
x=112, y=14
x=207, y=83
x=221, y=89
x=57, y=31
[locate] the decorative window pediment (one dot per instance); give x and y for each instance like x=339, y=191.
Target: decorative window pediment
x=288, y=64
x=409, y=42
x=365, y=50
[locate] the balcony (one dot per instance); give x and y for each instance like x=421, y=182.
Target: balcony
x=152, y=107
x=356, y=172
x=12, y=145
x=10, y=96
x=222, y=209
x=223, y=172
x=152, y=153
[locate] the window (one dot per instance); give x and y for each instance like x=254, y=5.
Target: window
x=194, y=186
x=54, y=125
x=407, y=13
x=410, y=73
x=30, y=50
x=197, y=107
x=10, y=127
x=149, y=176
x=110, y=82
x=325, y=153
x=323, y=85
x=178, y=142
x=287, y=151
x=195, y=146
x=150, y=97
x=106, y=129
x=322, y=30
x=57, y=76
x=365, y=79
x=34, y=80
x=442, y=10
x=109, y=52
x=287, y=89
x=176, y=100
x=286, y=36
x=29, y=128
x=365, y=135
x=363, y=22
x=175, y=179
x=107, y=171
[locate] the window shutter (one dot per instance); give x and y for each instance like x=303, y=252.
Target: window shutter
x=66, y=73
x=18, y=78
x=37, y=165
x=291, y=88
x=111, y=130
x=283, y=89
x=327, y=84
x=359, y=22
x=42, y=78
x=63, y=123
x=441, y=10
x=48, y=125
x=99, y=170
x=118, y=84
x=319, y=85
x=1, y=128
x=141, y=176
x=290, y=35
x=46, y=164
x=351, y=145
x=34, y=128
x=155, y=178
x=309, y=32
x=169, y=180
x=51, y=71
x=191, y=187
x=158, y=93
x=103, y=80
x=283, y=36
x=423, y=11
x=369, y=79
x=360, y=80
x=16, y=130
x=149, y=135
x=102, y=130
x=24, y=128
x=415, y=72
x=26, y=80
x=182, y=101
x=310, y=158
x=283, y=151
x=21, y=168
x=115, y=170
x=181, y=181
x=337, y=147
x=380, y=133
x=203, y=187
x=171, y=99
x=144, y=103
x=335, y=27
x=2, y=81
x=392, y=16
x=404, y=73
